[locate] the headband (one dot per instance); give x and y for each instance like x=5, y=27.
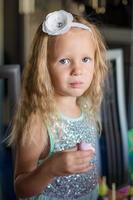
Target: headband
x=59, y=22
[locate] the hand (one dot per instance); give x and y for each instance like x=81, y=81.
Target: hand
x=69, y=162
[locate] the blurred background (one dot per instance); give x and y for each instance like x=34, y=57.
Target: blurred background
x=19, y=20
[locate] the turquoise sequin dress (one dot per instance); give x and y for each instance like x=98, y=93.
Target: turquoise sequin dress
x=64, y=134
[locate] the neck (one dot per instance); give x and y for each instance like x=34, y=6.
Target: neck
x=68, y=105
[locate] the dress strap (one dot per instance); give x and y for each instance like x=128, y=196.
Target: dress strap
x=51, y=139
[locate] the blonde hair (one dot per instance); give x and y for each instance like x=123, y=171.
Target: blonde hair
x=94, y=94
x=37, y=95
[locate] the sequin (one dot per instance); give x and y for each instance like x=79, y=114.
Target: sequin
x=69, y=132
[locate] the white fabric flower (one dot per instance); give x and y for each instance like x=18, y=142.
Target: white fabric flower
x=59, y=22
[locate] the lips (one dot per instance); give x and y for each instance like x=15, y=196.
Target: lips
x=76, y=84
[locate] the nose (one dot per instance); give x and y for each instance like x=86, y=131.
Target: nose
x=76, y=70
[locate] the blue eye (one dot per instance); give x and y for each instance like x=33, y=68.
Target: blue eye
x=86, y=59
x=64, y=61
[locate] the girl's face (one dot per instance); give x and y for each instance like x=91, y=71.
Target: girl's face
x=71, y=62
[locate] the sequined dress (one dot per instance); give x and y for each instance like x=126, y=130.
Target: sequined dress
x=64, y=134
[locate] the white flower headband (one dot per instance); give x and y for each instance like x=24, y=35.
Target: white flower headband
x=59, y=22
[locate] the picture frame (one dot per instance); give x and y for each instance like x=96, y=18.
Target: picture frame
x=114, y=137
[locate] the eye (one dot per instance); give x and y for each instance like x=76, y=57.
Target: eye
x=86, y=60
x=64, y=61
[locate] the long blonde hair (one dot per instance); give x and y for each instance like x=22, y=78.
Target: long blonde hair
x=37, y=95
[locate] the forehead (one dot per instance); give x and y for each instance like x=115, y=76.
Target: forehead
x=74, y=41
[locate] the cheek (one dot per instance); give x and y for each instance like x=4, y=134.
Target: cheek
x=90, y=74
x=90, y=78
x=54, y=77
x=58, y=79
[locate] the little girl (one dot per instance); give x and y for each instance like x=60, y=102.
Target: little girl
x=60, y=101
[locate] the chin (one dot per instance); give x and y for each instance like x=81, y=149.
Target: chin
x=77, y=94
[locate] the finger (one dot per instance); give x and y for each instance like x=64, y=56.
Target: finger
x=85, y=168
x=84, y=160
x=84, y=154
x=78, y=154
x=71, y=149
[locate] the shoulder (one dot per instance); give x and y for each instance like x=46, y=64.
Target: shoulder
x=29, y=151
x=34, y=137
x=93, y=119
x=35, y=128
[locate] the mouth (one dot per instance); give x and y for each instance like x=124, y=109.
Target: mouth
x=76, y=84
